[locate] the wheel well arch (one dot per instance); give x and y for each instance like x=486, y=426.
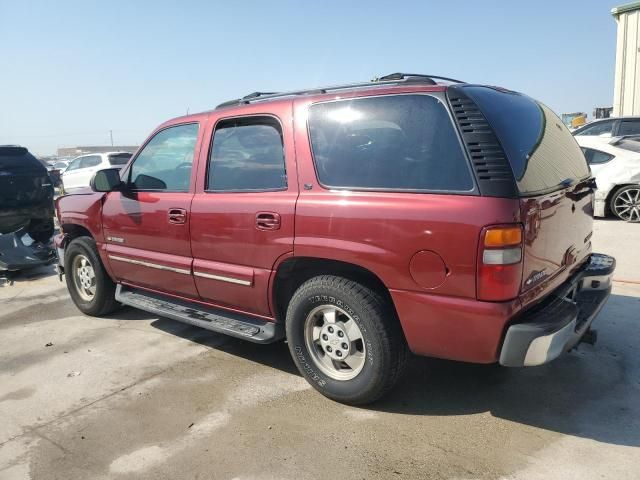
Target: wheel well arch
x=294, y=271
x=610, y=195
x=73, y=230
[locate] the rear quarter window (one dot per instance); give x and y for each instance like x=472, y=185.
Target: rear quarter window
x=542, y=153
x=395, y=142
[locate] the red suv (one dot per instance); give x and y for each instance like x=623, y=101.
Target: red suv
x=360, y=222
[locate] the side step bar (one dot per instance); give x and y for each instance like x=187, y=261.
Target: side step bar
x=219, y=321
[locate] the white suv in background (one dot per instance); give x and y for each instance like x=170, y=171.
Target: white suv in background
x=81, y=169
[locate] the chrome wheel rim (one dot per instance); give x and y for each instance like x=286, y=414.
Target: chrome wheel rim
x=335, y=342
x=627, y=205
x=84, y=277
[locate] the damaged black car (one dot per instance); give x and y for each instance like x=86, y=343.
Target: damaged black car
x=26, y=211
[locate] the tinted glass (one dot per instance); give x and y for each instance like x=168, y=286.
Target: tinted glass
x=596, y=129
x=594, y=157
x=542, y=152
x=247, y=155
x=165, y=162
x=629, y=127
x=91, y=161
x=75, y=164
x=119, y=158
x=404, y=142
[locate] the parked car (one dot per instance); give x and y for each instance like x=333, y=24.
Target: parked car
x=26, y=210
x=610, y=127
x=55, y=169
x=80, y=170
x=359, y=222
x=616, y=166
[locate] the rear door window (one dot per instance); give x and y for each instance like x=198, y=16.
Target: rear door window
x=543, y=154
x=90, y=161
x=247, y=154
x=629, y=127
x=394, y=142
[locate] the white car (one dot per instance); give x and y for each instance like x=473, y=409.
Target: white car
x=615, y=163
x=81, y=169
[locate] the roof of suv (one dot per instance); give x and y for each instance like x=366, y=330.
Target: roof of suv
x=393, y=83
x=394, y=79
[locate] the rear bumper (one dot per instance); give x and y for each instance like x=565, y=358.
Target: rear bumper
x=558, y=323
x=18, y=251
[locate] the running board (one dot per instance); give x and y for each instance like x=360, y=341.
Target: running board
x=216, y=320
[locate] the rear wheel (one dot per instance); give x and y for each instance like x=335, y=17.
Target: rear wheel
x=91, y=289
x=625, y=203
x=345, y=339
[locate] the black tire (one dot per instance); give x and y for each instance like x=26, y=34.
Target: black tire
x=103, y=300
x=386, y=350
x=625, y=203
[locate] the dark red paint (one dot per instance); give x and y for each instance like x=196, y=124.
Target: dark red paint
x=422, y=247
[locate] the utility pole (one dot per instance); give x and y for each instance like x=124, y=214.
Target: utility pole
x=111, y=136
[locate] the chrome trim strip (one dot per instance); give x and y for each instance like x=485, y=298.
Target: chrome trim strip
x=237, y=281
x=150, y=265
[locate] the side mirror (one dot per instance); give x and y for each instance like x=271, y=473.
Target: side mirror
x=107, y=180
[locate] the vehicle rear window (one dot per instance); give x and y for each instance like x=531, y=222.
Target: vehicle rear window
x=542, y=152
x=395, y=142
x=119, y=158
x=18, y=158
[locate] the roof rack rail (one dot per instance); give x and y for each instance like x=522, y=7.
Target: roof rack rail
x=409, y=76
x=392, y=79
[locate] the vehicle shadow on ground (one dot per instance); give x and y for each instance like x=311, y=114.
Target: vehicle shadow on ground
x=30, y=275
x=590, y=393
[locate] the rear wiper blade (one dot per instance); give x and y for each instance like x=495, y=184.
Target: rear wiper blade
x=567, y=182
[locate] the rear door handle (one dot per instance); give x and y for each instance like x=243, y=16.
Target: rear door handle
x=267, y=221
x=177, y=216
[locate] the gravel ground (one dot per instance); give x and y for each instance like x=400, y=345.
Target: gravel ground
x=136, y=396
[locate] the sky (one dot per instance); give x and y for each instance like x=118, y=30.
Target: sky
x=71, y=71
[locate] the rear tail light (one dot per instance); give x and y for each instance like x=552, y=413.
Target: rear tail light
x=500, y=263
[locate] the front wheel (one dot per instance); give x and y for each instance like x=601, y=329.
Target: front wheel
x=625, y=203
x=345, y=339
x=91, y=289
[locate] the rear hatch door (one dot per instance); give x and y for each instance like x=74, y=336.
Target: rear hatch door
x=554, y=183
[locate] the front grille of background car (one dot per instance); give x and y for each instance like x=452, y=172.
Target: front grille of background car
x=492, y=170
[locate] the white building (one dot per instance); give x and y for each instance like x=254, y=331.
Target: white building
x=626, y=94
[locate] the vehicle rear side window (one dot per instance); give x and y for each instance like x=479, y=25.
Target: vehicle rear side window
x=599, y=128
x=119, y=158
x=165, y=162
x=90, y=161
x=543, y=154
x=247, y=155
x=629, y=127
x=395, y=142
x=595, y=157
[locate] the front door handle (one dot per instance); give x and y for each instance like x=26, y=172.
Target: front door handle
x=267, y=221
x=177, y=216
